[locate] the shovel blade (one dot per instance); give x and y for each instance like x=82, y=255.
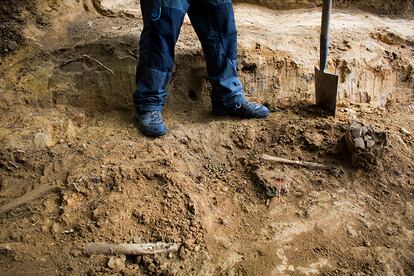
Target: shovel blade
x=326, y=87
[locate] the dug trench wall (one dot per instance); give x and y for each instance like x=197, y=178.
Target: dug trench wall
x=396, y=7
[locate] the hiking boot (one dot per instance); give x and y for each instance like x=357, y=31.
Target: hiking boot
x=151, y=123
x=244, y=109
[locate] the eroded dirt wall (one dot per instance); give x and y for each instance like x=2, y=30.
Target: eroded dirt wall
x=15, y=15
x=395, y=7
x=12, y=19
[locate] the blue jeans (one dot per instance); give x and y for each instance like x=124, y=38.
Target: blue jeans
x=213, y=21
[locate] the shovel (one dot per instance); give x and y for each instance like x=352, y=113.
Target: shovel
x=326, y=85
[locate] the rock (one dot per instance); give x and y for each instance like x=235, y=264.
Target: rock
x=152, y=268
x=356, y=130
x=313, y=140
x=367, y=138
x=147, y=260
x=404, y=131
x=351, y=231
x=183, y=253
x=351, y=113
x=56, y=228
x=43, y=140
x=117, y=262
x=370, y=143
x=324, y=126
x=359, y=143
x=137, y=239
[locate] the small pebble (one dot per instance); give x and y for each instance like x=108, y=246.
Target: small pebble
x=117, y=263
x=356, y=131
x=364, y=130
x=367, y=138
x=137, y=239
x=404, y=131
x=370, y=143
x=359, y=143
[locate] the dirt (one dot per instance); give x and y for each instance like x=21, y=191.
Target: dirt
x=65, y=120
x=12, y=19
x=396, y=7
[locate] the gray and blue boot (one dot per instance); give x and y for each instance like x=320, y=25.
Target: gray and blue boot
x=151, y=123
x=243, y=109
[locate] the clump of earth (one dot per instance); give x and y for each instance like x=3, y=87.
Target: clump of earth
x=366, y=144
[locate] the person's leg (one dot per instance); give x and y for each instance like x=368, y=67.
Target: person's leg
x=213, y=21
x=162, y=24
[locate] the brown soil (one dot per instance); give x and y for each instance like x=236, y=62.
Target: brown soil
x=71, y=124
x=394, y=7
x=13, y=18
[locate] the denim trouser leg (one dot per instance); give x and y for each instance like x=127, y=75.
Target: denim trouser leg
x=214, y=23
x=162, y=24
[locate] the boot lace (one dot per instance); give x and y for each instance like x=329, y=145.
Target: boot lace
x=155, y=116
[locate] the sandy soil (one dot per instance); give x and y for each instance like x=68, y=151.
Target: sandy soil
x=69, y=122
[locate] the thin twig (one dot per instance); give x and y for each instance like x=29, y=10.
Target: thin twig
x=100, y=63
x=133, y=54
x=30, y=196
x=93, y=60
x=13, y=164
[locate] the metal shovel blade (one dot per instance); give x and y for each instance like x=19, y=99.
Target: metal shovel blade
x=326, y=87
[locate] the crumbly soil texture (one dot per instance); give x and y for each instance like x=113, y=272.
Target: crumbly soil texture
x=67, y=120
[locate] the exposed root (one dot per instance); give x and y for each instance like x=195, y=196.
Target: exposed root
x=85, y=58
x=30, y=196
x=131, y=248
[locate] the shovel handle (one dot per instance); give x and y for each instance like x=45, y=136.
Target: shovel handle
x=326, y=16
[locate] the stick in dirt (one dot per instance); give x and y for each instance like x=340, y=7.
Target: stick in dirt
x=311, y=165
x=86, y=57
x=130, y=248
x=30, y=196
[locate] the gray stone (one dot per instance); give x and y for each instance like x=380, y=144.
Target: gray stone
x=370, y=143
x=117, y=263
x=43, y=140
x=364, y=130
x=351, y=231
x=367, y=138
x=359, y=143
x=356, y=131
